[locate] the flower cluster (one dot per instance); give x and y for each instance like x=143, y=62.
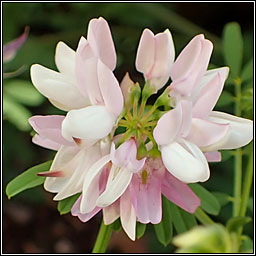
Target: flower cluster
x=159, y=149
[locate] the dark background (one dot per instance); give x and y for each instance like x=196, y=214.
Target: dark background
x=31, y=222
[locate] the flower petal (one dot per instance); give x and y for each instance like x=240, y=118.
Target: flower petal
x=76, y=180
x=185, y=161
x=91, y=186
x=213, y=156
x=57, y=87
x=115, y=187
x=111, y=213
x=66, y=160
x=148, y=196
x=188, y=77
x=180, y=193
x=146, y=52
x=100, y=39
x=163, y=60
x=110, y=89
x=241, y=132
x=45, y=142
x=50, y=127
x=204, y=133
x=125, y=156
x=187, y=59
x=210, y=93
x=168, y=126
x=90, y=123
x=75, y=211
x=128, y=215
x=65, y=59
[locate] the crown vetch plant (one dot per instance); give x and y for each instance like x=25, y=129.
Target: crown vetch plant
x=164, y=146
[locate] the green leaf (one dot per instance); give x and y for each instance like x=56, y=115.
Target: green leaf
x=177, y=219
x=250, y=204
x=226, y=98
x=65, y=205
x=116, y=225
x=27, y=179
x=164, y=228
x=140, y=229
x=236, y=223
x=23, y=92
x=223, y=198
x=188, y=218
x=233, y=47
x=209, y=203
x=247, y=73
x=247, y=245
x=16, y=113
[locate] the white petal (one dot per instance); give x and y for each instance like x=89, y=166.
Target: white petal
x=115, y=187
x=66, y=160
x=91, y=185
x=75, y=182
x=241, y=131
x=90, y=123
x=128, y=215
x=65, y=59
x=57, y=87
x=185, y=161
x=111, y=213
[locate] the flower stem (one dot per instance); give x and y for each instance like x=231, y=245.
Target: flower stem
x=203, y=217
x=103, y=238
x=247, y=184
x=238, y=155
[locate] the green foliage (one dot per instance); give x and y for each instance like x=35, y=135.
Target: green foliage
x=16, y=113
x=27, y=179
x=209, y=203
x=140, y=229
x=247, y=73
x=164, y=228
x=233, y=47
x=65, y=205
x=223, y=198
x=23, y=92
x=235, y=223
x=177, y=219
x=116, y=225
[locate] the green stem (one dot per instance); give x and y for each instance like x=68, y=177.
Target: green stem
x=103, y=238
x=238, y=155
x=203, y=217
x=247, y=184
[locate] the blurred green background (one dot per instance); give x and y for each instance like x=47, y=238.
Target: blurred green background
x=31, y=222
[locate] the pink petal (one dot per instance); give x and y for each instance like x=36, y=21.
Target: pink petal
x=75, y=211
x=148, y=196
x=213, y=156
x=168, y=126
x=100, y=39
x=204, y=133
x=126, y=87
x=164, y=55
x=188, y=72
x=46, y=143
x=209, y=94
x=146, y=52
x=49, y=127
x=180, y=193
x=110, y=89
x=111, y=212
x=125, y=156
x=10, y=49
